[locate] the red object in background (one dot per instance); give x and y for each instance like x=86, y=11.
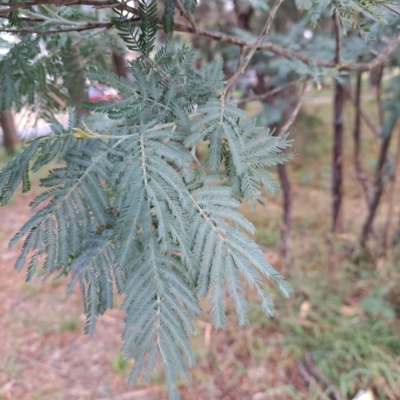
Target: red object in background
x=102, y=92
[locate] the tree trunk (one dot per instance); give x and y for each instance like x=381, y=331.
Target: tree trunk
x=284, y=243
x=337, y=161
x=378, y=189
x=264, y=87
x=75, y=81
x=375, y=79
x=243, y=17
x=10, y=137
x=337, y=178
x=119, y=64
x=287, y=209
x=361, y=175
x=387, y=233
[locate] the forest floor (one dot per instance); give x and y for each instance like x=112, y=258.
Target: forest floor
x=342, y=320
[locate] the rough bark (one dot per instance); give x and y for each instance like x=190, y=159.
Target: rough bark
x=379, y=97
x=375, y=79
x=387, y=233
x=337, y=176
x=377, y=191
x=284, y=243
x=119, y=64
x=337, y=161
x=75, y=80
x=287, y=209
x=243, y=17
x=284, y=181
x=10, y=136
x=361, y=175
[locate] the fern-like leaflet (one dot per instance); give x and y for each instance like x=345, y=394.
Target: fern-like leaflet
x=130, y=209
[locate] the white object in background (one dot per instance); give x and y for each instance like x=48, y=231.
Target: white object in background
x=364, y=395
x=307, y=34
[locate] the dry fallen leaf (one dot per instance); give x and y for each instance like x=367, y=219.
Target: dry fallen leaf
x=305, y=309
x=349, y=311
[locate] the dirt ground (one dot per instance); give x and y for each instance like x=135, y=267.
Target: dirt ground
x=44, y=354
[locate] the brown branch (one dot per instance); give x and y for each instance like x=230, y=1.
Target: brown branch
x=338, y=39
x=284, y=244
x=120, y=64
x=10, y=136
x=295, y=112
x=337, y=159
x=310, y=379
x=86, y=27
x=239, y=63
x=56, y=3
x=255, y=45
x=359, y=108
x=378, y=188
x=243, y=18
x=389, y=7
x=264, y=96
x=361, y=175
x=222, y=37
x=186, y=14
x=379, y=93
x=387, y=233
x=237, y=8
x=345, y=66
x=304, y=373
x=115, y=5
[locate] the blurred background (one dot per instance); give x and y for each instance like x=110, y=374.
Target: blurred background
x=333, y=232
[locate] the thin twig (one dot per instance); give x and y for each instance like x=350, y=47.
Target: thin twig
x=304, y=373
x=379, y=94
x=389, y=7
x=387, y=233
x=255, y=45
x=115, y=5
x=320, y=376
x=338, y=39
x=268, y=46
x=271, y=92
x=377, y=189
x=295, y=111
x=370, y=122
x=239, y=63
x=222, y=37
x=310, y=379
x=186, y=14
x=89, y=26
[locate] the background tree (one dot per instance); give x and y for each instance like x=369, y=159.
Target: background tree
x=10, y=137
x=133, y=206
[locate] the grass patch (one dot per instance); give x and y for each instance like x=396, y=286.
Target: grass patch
x=69, y=325
x=268, y=236
x=119, y=366
x=353, y=354
x=31, y=289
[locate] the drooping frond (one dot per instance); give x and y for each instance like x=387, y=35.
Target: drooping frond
x=222, y=248
x=130, y=208
x=141, y=35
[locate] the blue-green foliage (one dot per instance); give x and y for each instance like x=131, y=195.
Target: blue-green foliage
x=131, y=209
x=36, y=79
x=347, y=12
x=141, y=35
